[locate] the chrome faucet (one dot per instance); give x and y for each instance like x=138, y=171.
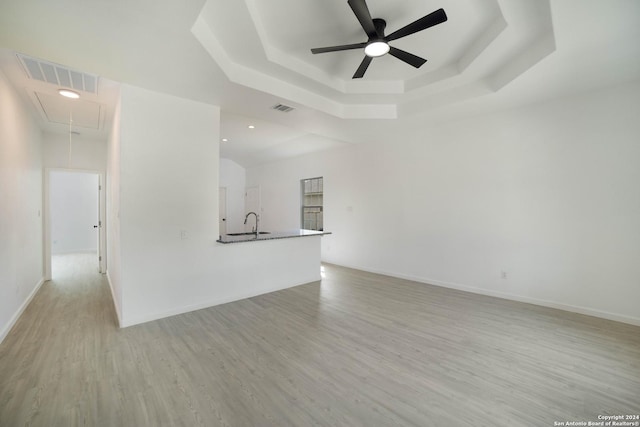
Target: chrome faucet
x=257, y=221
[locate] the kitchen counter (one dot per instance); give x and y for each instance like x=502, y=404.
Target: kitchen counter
x=251, y=237
x=279, y=260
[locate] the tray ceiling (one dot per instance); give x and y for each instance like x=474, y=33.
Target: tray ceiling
x=484, y=45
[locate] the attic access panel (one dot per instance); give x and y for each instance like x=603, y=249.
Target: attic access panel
x=85, y=114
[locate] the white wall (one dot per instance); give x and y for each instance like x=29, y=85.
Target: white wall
x=233, y=178
x=21, y=269
x=547, y=193
x=86, y=153
x=73, y=205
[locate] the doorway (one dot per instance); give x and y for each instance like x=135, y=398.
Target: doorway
x=73, y=221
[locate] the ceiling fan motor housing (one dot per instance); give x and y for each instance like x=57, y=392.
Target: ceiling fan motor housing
x=380, y=25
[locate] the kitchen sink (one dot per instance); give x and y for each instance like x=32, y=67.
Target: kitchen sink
x=248, y=233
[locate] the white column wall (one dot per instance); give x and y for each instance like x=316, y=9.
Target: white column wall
x=168, y=188
x=547, y=194
x=114, y=273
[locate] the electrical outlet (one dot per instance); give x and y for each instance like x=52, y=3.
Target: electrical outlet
x=184, y=235
x=503, y=274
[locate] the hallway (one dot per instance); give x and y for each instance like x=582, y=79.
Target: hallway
x=53, y=362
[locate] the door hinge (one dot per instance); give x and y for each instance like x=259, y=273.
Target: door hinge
x=99, y=223
x=99, y=187
x=99, y=258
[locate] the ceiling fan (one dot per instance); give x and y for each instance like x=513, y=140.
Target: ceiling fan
x=378, y=43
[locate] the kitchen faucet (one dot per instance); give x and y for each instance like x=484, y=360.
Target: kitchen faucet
x=257, y=221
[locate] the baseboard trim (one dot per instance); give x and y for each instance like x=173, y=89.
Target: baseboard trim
x=504, y=295
x=23, y=307
x=116, y=307
x=206, y=304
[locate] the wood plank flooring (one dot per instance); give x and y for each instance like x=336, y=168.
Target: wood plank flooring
x=356, y=349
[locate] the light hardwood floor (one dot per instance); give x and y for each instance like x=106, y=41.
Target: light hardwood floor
x=356, y=349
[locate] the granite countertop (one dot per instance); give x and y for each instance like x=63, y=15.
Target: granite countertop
x=251, y=237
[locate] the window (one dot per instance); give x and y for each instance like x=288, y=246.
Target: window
x=311, y=212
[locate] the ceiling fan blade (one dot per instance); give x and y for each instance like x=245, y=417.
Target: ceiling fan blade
x=363, y=67
x=337, y=48
x=361, y=11
x=407, y=57
x=434, y=18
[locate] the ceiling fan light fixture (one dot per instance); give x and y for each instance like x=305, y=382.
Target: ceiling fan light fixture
x=376, y=48
x=69, y=93
x=377, y=41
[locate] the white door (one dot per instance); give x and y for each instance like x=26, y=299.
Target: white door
x=222, y=204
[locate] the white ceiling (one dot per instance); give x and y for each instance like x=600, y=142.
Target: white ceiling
x=249, y=55
x=266, y=141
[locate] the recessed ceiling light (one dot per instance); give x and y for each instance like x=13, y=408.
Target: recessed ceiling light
x=69, y=93
x=252, y=127
x=224, y=140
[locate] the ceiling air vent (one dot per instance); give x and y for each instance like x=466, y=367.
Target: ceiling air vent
x=59, y=75
x=283, y=108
